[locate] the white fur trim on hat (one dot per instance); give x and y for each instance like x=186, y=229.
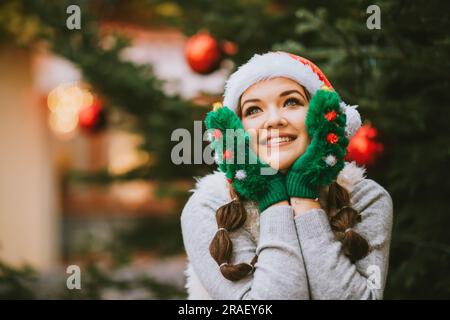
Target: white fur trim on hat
x=280, y=64
x=266, y=66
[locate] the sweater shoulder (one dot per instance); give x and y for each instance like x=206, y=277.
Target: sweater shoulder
x=209, y=193
x=367, y=191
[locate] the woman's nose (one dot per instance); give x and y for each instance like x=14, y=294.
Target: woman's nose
x=275, y=120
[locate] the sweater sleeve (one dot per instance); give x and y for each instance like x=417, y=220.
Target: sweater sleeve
x=331, y=274
x=279, y=272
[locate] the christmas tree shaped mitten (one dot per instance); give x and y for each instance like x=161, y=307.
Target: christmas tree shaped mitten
x=250, y=177
x=324, y=157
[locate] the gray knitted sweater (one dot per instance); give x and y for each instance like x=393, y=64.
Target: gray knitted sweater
x=298, y=257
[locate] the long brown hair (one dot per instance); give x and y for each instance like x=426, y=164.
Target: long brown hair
x=232, y=215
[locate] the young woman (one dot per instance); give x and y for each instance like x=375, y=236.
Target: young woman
x=317, y=229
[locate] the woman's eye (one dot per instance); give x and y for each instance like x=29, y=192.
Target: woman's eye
x=252, y=110
x=292, y=102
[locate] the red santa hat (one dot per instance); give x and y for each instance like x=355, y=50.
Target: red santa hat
x=282, y=64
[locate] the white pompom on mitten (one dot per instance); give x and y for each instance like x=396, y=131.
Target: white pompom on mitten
x=353, y=119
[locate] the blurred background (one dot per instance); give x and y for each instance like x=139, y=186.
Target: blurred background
x=86, y=116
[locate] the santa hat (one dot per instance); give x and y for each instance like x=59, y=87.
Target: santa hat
x=282, y=64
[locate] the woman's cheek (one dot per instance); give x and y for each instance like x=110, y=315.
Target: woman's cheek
x=251, y=127
x=290, y=159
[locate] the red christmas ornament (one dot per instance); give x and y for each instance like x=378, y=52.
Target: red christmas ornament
x=229, y=48
x=332, y=138
x=363, y=147
x=92, y=118
x=330, y=116
x=203, y=53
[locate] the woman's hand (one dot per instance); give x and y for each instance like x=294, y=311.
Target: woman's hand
x=249, y=176
x=302, y=205
x=324, y=157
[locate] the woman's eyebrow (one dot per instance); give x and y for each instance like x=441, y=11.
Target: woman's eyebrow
x=250, y=100
x=285, y=93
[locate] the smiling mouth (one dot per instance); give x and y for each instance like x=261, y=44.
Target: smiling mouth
x=278, y=141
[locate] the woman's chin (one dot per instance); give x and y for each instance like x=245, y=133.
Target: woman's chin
x=281, y=161
x=282, y=166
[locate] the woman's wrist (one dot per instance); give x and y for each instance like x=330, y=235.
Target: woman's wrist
x=303, y=205
x=281, y=203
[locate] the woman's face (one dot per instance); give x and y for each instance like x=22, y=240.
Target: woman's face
x=275, y=110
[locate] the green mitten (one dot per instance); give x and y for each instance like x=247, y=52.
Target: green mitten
x=250, y=177
x=324, y=157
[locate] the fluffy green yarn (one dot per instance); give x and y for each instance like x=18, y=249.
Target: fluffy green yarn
x=307, y=173
x=311, y=165
x=234, y=139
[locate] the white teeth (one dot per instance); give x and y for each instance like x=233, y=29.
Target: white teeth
x=278, y=140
